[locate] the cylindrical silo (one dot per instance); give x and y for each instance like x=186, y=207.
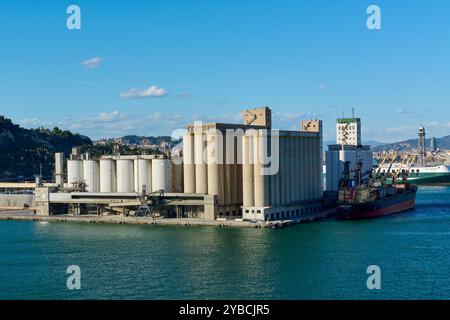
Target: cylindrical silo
x=188, y=163
x=125, y=175
x=247, y=171
x=59, y=168
x=201, y=172
x=74, y=172
x=142, y=175
x=259, y=176
x=91, y=175
x=161, y=175
x=177, y=176
x=108, y=175
x=213, y=157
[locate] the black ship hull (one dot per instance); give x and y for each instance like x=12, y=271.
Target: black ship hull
x=404, y=200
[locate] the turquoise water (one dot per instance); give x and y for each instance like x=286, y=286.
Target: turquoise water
x=326, y=260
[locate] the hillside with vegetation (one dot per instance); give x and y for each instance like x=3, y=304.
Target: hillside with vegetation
x=138, y=140
x=25, y=152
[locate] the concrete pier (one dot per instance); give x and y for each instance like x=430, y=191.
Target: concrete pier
x=30, y=216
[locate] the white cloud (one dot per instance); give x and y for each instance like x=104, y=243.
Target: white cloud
x=323, y=86
x=115, y=115
x=92, y=63
x=136, y=93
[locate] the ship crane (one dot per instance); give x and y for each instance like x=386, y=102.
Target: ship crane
x=382, y=164
x=413, y=159
x=397, y=173
x=392, y=163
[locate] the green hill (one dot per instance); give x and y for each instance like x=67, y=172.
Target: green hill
x=132, y=139
x=23, y=151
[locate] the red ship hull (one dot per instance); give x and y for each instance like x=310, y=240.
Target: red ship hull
x=403, y=201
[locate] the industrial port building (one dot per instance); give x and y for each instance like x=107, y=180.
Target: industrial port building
x=348, y=148
x=228, y=161
x=246, y=171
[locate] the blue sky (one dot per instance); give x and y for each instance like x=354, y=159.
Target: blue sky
x=208, y=60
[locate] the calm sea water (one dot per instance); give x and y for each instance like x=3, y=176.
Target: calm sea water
x=326, y=260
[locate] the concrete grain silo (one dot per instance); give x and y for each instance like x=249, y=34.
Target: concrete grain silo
x=74, y=172
x=177, y=175
x=125, y=175
x=188, y=163
x=91, y=174
x=142, y=175
x=108, y=175
x=59, y=168
x=161, y=179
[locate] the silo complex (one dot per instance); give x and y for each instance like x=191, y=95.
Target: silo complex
x=127, y=174
x=269, y=174
x=216, y=167
x=295, y=181
x=248, y=171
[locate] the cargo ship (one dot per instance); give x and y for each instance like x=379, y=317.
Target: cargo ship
x=416, y=172
x=359, y=199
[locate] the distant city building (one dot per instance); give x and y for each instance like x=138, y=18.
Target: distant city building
x=433, y=144
x=348, y=131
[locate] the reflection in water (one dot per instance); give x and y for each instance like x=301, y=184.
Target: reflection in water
x=318, y=260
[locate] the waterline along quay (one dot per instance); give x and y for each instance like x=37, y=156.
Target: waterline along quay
x=224, y=174
x=221, y=174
